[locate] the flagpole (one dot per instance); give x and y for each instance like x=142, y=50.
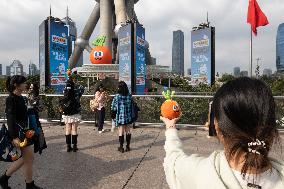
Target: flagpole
x=251, y=53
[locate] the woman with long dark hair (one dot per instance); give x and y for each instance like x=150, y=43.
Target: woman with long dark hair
x=244, y=118
x=71, y=109
x=17, y=117
x=122, y=109
x=34, y=108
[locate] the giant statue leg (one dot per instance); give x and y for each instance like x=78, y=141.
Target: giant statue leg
x=82, y=42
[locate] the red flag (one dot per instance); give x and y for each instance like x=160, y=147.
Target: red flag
x=256, y=17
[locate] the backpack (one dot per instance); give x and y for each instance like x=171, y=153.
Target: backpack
x=66, y=106
x=8, y=153
x=135, y=111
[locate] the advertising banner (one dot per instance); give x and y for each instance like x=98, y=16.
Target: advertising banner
x=125, y=56
x=140, y=59
x=201, y=63
x=58, y=55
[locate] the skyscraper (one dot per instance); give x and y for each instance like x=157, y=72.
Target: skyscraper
x=267, y=72
x=33, y=69
x=8, y=71
x=280, y=48
x=178, y=52
x=72, y=36
x=16, y=68
x=53, y=53
x=237, y=71
x=56, y=42
x=244, y=73
x=1, y=73
x=189, y=71
x=154, y=61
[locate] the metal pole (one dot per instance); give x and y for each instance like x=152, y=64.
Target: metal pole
x=88, y=83
x=250, y=52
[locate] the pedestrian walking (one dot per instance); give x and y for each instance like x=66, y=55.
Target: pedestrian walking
x=17, y=121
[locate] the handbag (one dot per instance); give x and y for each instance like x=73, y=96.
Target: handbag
x=113, y=114
x=94, y=104
x=32, y=123
x=8, y=152
x=135, y=111
x=65, y=106
x=38, y=139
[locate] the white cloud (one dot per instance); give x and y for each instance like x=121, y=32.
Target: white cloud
x=19, y=21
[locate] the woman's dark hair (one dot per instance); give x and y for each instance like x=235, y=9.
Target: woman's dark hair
x=14, y=80
x=245, y=111
x=122, y=89
x=35, y=89
x=99, y=87
x=69, y=91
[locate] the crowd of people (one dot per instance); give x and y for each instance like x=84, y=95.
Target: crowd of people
x=241, y=116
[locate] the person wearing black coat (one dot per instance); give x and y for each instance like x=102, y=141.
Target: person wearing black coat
x=71, y=109
x=17, y=117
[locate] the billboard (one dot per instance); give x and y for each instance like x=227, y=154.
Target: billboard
x=58, y=56
x=42, y=52
x=202, y=56
x=125, y=55
x=140, y=64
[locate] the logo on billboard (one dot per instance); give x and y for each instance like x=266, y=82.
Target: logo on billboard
x=140, y=41
x=124, y=41
x=59, y=40
x=201, y=43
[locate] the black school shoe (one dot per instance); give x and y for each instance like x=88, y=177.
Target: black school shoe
x=4, y=181
x=32, y=186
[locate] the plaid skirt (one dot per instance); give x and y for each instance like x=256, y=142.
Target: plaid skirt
x=71, y=118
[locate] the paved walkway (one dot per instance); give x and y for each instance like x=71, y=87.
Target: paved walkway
x=97, y=165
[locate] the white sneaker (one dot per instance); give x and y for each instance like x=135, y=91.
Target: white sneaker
x=102, y=131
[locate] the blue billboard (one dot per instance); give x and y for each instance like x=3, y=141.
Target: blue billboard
x=125, y=56
x=201, y=53
x=140, y=63
x=58, y=56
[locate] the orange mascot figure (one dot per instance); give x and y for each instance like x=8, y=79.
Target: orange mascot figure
x=101, y=55
x=170, y=109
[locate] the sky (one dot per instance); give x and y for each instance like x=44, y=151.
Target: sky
x=20, y=19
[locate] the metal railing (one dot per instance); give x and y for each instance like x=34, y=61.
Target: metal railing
x=194, y=108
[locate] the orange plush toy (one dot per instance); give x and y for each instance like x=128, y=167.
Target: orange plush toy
x=29, y=134
x=170, y=108
x=69, y=72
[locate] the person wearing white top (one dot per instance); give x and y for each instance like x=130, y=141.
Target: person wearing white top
x=244, y=118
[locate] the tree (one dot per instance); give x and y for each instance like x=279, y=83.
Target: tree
x=226, y=77
x=2, y=85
